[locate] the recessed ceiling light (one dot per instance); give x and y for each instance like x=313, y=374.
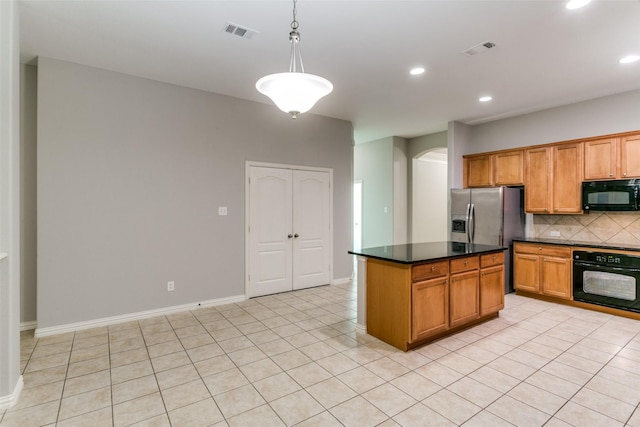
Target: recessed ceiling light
x=416, y=71
x=577, y=4
x=485, y=99
x=629, y=59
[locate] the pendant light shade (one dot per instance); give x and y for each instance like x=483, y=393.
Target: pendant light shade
x=294, y=92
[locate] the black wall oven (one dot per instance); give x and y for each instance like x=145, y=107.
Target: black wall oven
x=607, y=279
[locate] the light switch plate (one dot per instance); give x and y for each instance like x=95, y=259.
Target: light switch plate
x=222, y=210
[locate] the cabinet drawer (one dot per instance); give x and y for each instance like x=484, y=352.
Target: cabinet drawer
x=547, y=250
x=464, y=264
x=489, y=260
x=429, y=271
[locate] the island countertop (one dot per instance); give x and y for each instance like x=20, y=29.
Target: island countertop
x=416, y=253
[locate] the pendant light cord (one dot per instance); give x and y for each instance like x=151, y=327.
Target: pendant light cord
x=294, y=23
x=294, y=37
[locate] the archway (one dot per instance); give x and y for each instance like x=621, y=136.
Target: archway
x=429, y=196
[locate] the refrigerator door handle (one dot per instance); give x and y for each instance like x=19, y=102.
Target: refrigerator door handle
x=468, y=221
x=472, y=222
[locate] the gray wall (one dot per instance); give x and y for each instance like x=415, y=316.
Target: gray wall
x=400, y=191
x=130, y=175
x=28, y=192
x=430, y=197
x=10, y=379
x=416, y=147
x=373, y=164
x=601, y=116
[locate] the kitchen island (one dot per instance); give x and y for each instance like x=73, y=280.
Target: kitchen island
x=416, y=293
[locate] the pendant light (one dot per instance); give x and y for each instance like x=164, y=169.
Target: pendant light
x=294, y=92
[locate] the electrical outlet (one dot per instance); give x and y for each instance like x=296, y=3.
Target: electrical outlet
x=222, y=210
x=171, y=286
x=554, y=233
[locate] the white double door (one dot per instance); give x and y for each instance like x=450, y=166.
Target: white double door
x=289, y=230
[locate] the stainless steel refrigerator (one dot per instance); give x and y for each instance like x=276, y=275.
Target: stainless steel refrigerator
x=490, y=216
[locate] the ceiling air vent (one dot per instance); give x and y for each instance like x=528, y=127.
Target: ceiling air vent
x=479, y=48
x=238, y=30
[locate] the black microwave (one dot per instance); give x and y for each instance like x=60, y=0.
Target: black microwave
x=621, y=195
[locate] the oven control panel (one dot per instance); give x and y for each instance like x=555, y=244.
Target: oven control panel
x=604, y=258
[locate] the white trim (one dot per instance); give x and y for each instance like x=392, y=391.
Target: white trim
x=342, y=281
x=362, y=290
x=247, y=211
x=361, y=328
x=27, y=326
x=105, y=321
x=8, y=401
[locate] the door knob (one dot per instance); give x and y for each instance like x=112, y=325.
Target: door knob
x=296, y=235
x=290, y=236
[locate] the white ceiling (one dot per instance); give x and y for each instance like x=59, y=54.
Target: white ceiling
x=545, y=54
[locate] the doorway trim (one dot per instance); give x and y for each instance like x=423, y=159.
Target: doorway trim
x=247, y=212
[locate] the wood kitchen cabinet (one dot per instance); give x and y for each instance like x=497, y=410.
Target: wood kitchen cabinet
x=477, y=171
x=464, y=290
x=491, y=283
x=488, y=170
x=542, y=269
x=537, y=182
x=409, y=304
x=630, y=156
x=429, y=299
x=612, y=158
x=430, y=302
x=508, y=168
x=601, y=159
x=553, y=178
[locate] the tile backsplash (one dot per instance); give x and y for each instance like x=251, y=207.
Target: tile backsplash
x=596, y=227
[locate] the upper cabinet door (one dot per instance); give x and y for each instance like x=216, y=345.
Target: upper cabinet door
x=600, y=159
x=630, y=156
x=508, y=168
x=567, y=178
x=477, y=171
x=537, y=184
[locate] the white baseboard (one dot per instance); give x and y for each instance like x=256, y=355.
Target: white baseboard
x=361, y=328
x=105, y=321
x=343, y=281
x=8, y=401
x=27, y=326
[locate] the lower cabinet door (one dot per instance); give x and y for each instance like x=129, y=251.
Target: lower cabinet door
x=491, y=290
x=463, y=298
x=526, y=272
x=430, y=308
x=556, y=277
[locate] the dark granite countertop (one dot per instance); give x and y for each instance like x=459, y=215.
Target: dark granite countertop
x=416, y=253
x=574, y=243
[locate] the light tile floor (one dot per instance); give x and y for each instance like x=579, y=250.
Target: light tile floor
x=296, y=359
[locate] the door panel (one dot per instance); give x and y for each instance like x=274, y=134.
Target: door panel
x=460, y=200
x=311, y=223
x=487, y=218
x=270, y=193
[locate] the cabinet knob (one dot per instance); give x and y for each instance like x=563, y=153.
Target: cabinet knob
x=494, y=257
x=624, y=174
x=466, y=262
x=610, y=173
x=539, y=248
x=433, y=268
